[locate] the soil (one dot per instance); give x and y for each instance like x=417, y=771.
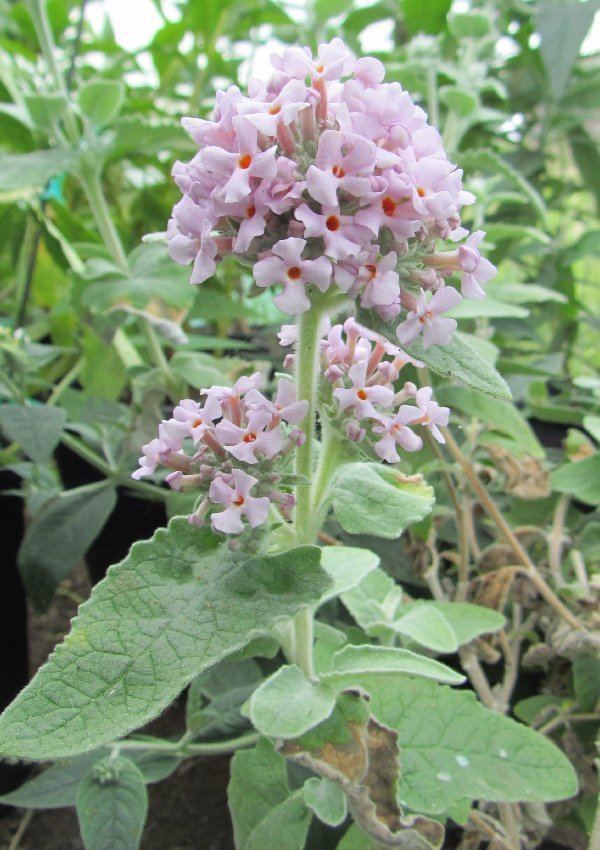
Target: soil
x=187, y=811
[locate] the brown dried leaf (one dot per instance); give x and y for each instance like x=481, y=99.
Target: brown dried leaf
x=525, y=476
x=492, y=589
x=361, y=755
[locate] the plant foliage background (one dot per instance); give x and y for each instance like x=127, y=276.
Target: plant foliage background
x=100, y=331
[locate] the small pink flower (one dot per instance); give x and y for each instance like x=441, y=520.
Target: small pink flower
x=152, y=454
x=189, y=239
x=361, y=397
x=286, y=267
x=380, y=282
x=240, y=167
x=339, y=232
x=343, y=162
x=477, y=270
x=432, y=414
x=267, y=115
x=395, y=432
x=195, y=418
x=427, y=317
x=285, y=405
x=238, y=503
x=244, y=442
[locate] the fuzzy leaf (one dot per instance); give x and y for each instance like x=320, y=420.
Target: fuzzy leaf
x=177, y=605
x=346, y=566
x=463, y=750
x=112, y=803
x=287, y=705
x=262, y=807
x=372, y=499
x=326, y=800
x=354, y=661
x=36, y=428
x=60, y=535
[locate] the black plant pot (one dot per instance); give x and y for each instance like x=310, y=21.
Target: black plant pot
x=13, y=618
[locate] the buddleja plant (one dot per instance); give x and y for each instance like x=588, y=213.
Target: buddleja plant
x=331, y=184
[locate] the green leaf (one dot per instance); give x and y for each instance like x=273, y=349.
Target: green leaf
x=562, y=27
x=200, y=369
x=101, y=100
x=487, y=308
x=112, y=803
x=463, y=750
x=263, y=811
x=458, y=359
x=427, y=17
x=427, y=626
x=525, y=293
x=356, y=661
x=586, y=681
x=498, y=414
x=287, y=704
x=29, y=171
x=354, y=839
x=591, y=423
x=326, y=799
x=60, y=535
x=178, y=604
x=458, y=100
x=374, y=602
x=471, y=24
x=530, y=709
x=347, y=567
x=485, y=159
x=469, y=621
x=46, y=110
x=372, y=499
x=36, y=428
x=56, y=787
x=580, y=479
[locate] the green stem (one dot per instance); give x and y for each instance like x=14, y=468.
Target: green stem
x=92, y=186
x=182, y=748
x=307, y=361
x=160, y=361
x=307, y=356
x=43, y=31
x=148, y=491
x=331, y=457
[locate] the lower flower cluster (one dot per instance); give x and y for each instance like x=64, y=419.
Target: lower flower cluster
x=215, y=446
x=362, y=368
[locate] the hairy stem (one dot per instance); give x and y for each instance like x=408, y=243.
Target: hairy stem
x=307, y=360
x=92, y=186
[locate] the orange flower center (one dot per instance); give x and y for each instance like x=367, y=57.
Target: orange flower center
x=420, y=192
x=319, y=69
x=362, y=395
x=245, y=161
x=274, y=110
x=332, y=223
x=196, y=422
x=372, y=270
x=250, y=211
x=294, y=273
x=388, y=205
x=424, y=318
x=249, y=438
x=238, y=501
x=338, y=171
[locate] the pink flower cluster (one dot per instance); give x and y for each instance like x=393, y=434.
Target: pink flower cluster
x=234, y=432
x=362, y=367
x=325, y=177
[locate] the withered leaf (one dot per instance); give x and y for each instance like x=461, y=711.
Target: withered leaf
x=525, y=476
x=361, y=755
